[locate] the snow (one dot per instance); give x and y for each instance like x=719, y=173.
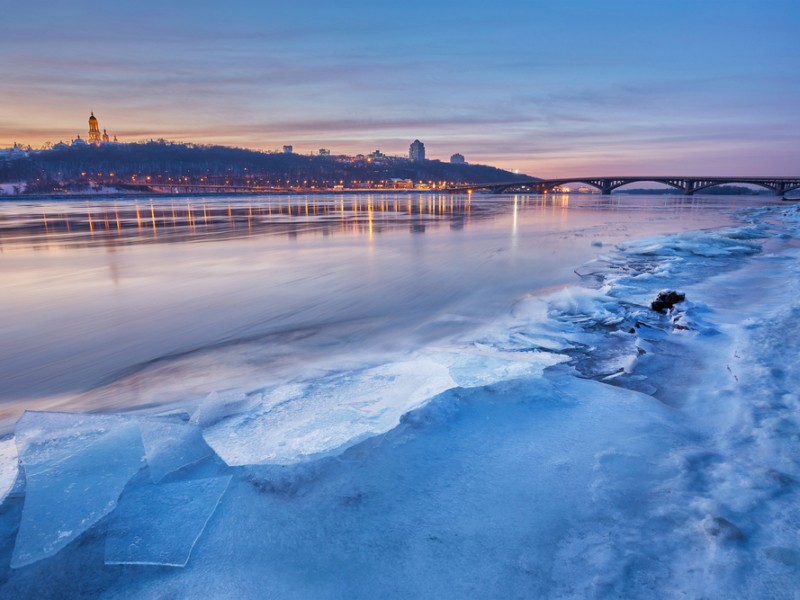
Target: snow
x=160, y=524
x=580, y=446
x=9, y=466
x=13, y=188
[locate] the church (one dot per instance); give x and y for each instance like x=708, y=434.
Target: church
x=95, y=137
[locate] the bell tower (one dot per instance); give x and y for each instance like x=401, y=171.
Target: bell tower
x=94, y=130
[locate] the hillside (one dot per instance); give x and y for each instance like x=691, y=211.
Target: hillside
x=156, y=164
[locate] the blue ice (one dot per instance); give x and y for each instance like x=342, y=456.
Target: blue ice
x=160, y=524
x=297, y=422
x=75, y=466
x=170, y=445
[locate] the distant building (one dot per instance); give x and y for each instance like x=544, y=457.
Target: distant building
x=288, y=149
x=416, y=152
x=15, y=151
x=324, y=152
x=401, y=184
x=94, y=131
x=457, y=159
x=95, y=137
x=375, y=155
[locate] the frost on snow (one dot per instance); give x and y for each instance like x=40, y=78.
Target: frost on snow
x=9, y=466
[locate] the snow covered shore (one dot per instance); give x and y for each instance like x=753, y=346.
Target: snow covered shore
x=584, y=446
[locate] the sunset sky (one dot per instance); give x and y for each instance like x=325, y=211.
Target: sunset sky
x=552, y=88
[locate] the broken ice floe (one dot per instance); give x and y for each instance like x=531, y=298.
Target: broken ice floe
x=160, y=524
x=170, y=445
x=219, y=405
x=296, y=422
x=76, y=466
x=480, y=365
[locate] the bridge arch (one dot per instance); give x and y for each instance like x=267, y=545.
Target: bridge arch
x=686, y=185
x=775, y=188
x=673, y=183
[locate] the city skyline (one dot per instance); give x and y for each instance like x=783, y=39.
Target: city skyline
x=549, y=90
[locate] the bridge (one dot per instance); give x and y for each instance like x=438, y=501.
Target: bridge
x=687, y=185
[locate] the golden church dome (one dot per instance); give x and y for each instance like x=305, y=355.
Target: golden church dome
x=94, y=130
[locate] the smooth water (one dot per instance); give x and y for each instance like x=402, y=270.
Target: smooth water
x=110, y=304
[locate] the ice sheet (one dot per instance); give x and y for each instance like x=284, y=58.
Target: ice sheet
x=171, y=444
x=296, y=422
x=75, y=468
x=218, y=405
x=47, y=437
x=160, y=524
x=480, y=364
x=484, y=488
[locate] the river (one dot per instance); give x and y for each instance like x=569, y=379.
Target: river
x=130, y=293
x=399, y=396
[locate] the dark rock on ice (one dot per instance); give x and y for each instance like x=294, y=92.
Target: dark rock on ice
x=666, y=300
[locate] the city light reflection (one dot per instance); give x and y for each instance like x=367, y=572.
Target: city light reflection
x=66, y=224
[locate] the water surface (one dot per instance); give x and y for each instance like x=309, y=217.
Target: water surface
x=112, y=304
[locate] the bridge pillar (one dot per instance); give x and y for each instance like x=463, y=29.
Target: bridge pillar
x=689, y=187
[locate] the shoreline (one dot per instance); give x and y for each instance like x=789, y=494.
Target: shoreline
x=133, y=195
x=348, y=192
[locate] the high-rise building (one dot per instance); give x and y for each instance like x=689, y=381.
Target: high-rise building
x=94, y=130
x=416, y=152
x=288, y=150
x=457, y=159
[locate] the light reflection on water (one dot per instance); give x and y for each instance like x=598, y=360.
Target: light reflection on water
x=112, y=303
x=110, y=222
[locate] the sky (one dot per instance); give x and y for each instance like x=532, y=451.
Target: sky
x=551, y=88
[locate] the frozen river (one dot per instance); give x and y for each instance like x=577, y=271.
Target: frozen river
x=400, y=396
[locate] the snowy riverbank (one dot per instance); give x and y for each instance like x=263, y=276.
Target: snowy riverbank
x=584, y=446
